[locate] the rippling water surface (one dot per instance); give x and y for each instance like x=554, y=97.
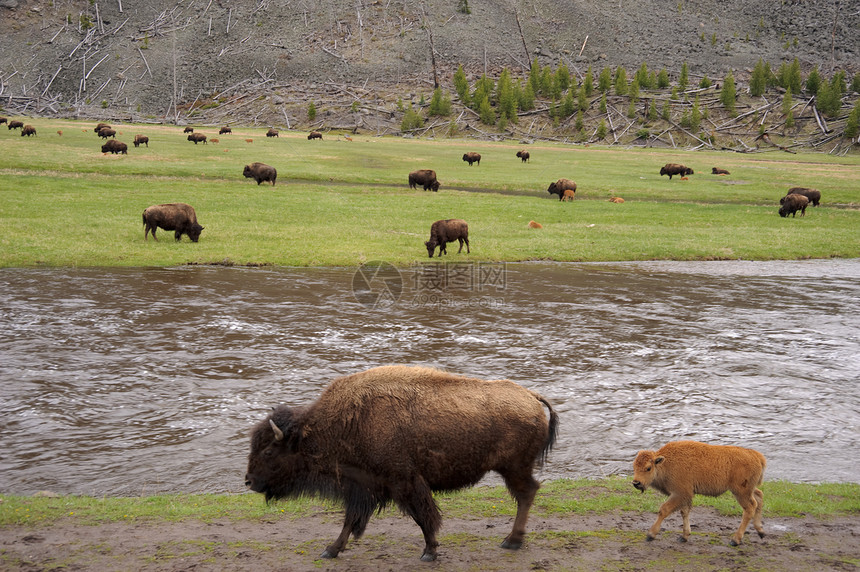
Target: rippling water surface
x=135, y=381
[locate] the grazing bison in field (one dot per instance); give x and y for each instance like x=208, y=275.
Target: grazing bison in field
x=100, y=126
x=224, y=130
x=718, y=171
x=675, y=169
x=560, y=186
x=814, y=195
x=523, y=155
x=424, y=177
x=28, y=130
x=138, y=139
x=197, y=138
x=4, y=120
x=396, y=434
x=472, y=157
x=444, y=231
x=314, y=135
x=106, y=132
x=682, y=469
x=272, y=132
x=188, y=130
x=15, y=125
x=790, y=204
x=261, y=172
x=178, y=217
x=115, y=147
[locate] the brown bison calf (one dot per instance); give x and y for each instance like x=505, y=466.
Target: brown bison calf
x=790, y=204
x=197, y=138
x=675, y=169
x=472, y=157
x=814, y=195
x=315, y=135
x=560, y=186
x=224, y=130
x=261, y=172
x=444, y=231
x=138, y=139
x=115, y=147
x=424, y=177
x=523, y=155
x=568, y=196
x=178, y=217
x=718, y=171
x=272, y=133
x=682, y=469
x=28, y=130
x=15, y=125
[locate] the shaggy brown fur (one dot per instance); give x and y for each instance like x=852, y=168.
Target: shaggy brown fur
x=444, y=231
x=115, y=147
x=106, y=132
x=568, y=195
x=138, y=139
x=472, y=157
x=682, y=469
x=4, y=120
x=814, y=195
x=792, y=203
x=178, y=217
x=675, y=169
x=424, y=177
x=315, y=135
x=224, y=130
x=524, y=155
x=261, y=172
x=28, y=130
x=15, y=125
x=197, y=138
x=397, y=434
x=100, y=126
x=188, y=130
x=560, y=186
x=272, y=132
x=718, y=171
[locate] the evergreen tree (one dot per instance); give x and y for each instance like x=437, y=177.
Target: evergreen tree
x=666, y=113
x=695, y=115
x=588, y=82
x=546, y=81
x=440, y=103
x=684, y=79
x=728, y=96
x=758, y=81
x=620, y=81
x=527, y=98
x=852, y=126
x=562, y=77
x=312, y=111
x=604, y=80
x=411, y=120
x=582, y=99
x=486, y=112
x=633, y=90
x=652, y=111
x=641, y=75
x=534, y=76
x=461, y=85
x=568, y=104
x=795, y=81
x=603, y=103
x=601, y=130
x=813, y=81
x=663, y=79
x=787, y=102
x=483, y=89
x=580, y=124
x=505, y=97
x=855, y=83
x=705, y=83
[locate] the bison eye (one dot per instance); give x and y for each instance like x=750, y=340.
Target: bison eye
x=648, y=470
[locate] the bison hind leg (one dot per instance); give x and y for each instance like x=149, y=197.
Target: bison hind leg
x=523, y=487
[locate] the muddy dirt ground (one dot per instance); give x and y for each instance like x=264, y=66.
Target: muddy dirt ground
x=392, y=542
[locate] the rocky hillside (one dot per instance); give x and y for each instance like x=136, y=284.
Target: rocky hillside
x=161, y=59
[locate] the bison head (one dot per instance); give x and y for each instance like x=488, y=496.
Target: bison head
x=644, y=469
x=194, y=232
x=274, y=464
x=435, y=186
x=552, y=189
x=431, y=247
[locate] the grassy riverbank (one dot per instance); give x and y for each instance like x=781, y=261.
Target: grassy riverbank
x=340, y=202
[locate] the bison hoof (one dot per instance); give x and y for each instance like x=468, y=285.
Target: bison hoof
x=328, y=554
x=649, y=538
x=511, y=545
x=734, y=542
x=761, y=535
x=682, y=539
x=428, y=557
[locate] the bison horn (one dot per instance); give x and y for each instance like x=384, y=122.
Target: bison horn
x=279, y=435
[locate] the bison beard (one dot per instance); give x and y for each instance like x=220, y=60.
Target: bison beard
x=397, y=434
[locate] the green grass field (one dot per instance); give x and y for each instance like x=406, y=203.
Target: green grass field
x=341, y=203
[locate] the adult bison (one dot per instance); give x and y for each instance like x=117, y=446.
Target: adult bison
x=14, y=124
x=272, y=132
x=790, y=204
x=472, y=157
x=115, y=147
x=261, y=172
x=99, y=127
x=560, y=186
x=444, y=231
x=425, y=178
x=523, y=155
x=224, y=129
x=814, y=195
x=178, y=217
x=138, y=139
x=197, y=138
x=314, y=135
x=675, y=169
x=28, y=130
x=188, y=130
x=4, y=120
x=682, y=469
x=718, y=171
x=106, y=132
x=396, y=434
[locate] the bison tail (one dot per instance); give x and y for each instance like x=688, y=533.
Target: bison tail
x=553, y=431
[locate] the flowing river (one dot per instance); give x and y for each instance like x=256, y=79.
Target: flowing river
x=146, y=380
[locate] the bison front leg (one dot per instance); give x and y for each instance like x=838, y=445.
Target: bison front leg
x=671, y=505
x=417, y=501
x=355, y=521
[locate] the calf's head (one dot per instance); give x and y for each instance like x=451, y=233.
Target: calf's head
x=644, y=468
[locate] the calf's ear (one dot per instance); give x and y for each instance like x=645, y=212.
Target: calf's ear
x=659, y=460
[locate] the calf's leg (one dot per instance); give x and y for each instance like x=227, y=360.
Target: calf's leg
x=674, y=502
